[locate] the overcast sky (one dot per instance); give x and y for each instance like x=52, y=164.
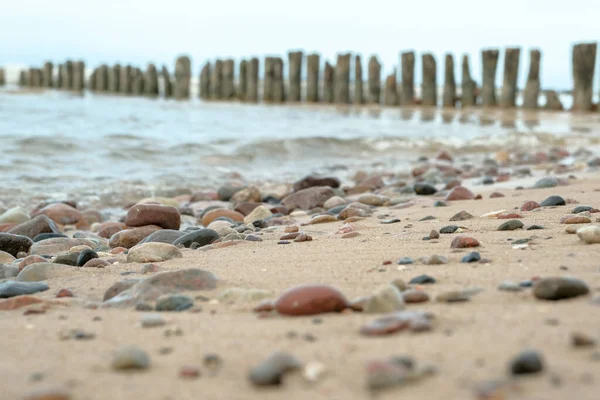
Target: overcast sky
x=140, y=31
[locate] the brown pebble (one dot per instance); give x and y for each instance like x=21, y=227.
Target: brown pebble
x=189, y=372
x=291, y=229
x=310, y=300
x=434, y=234
x=350, y=235
x=303, y=237
x=575, y=219
x=509, y=216
x=290, y=236
x=461, y=242
x=530, y=205
x=48, y=394
x=264, y=306
x=96, y=263
x=579, y=339
x=415, y=296
x=460, y=193
x=496, y=195
x=64, y=293
x=118, y=250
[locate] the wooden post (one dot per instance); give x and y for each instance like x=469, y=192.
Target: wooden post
x=47, y=77
x=78, y=76
x=151, y=81
x=553, y=103
x=358, y=81
x=449, y=96
x=2, y=77
x=278, y=84
x=341, y=88
x=216, y=81
x=23, y=78
x=488, y=86
x=59, y=77
x=391, y=89
x=167, y=84
x=101, y=80
x=35, y=77
x=68, y=75
x=313, y=64
x=125, y=81
x=429, y=86
x=374, y=90
x=408, y=78
x=242, y=87
x=138, y=84
x=91, y=85
x=114, y=77
x=268, y=79
x=295, y=76
x=468, y=85
x=584, y=63
x=508, y=97
x=328, y=78
x=532, y=88
x=183, y=75
x=204, y=88
x=228, y=88
x=252, y=81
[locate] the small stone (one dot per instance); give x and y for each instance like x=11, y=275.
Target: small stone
x=163, y=236
x=575, y=219
x=579, y=339
x=459, y=193
x=14, y=288
x=153, y=252
x=529, y=206
x=142, y=306
x=449, y=229
x=128, y=238
x=373, y=200
x=149, y=269
x=130, y=358
x=189, y=372
x=350, y=235
x=291, y=229
x=546, y=182
x=405, y=261
x=213, y=363
x=271, y=371
x=580, y=209
x=434, y=234
x=424, y=189
x=462, y=216
x=201, y=236
x=553, y=201
x=527, y=362
x=511, y=225
x=428, y=218
x=48, y=394
x=253, y=238
x=422, y=280
x=416, y=321
x=434, y=259
x=589, y=234
x=508, y=286
x=44, y=271
x=221, y=213
x=174, y=302
x=303, y=238
x=386, y=299
x=8, y=271
x=85, y=256
x=307, y=199
x=152, y=321
x=471, y=257
x=415, y=296
x=13, y=244
x=167, y=217
x=454, y=296
x=496, y=195
x=64, y=293
x=440, y=203
x=310, y=300
x=461, y=242
x=535, y=227
x=559, y=288
x=390, y=221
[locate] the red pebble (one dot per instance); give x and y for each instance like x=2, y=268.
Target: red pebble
x=388, y=262
x=530, y=205
x=460, y=193
x=510, y=216
x=461, y=242
x=189, y=372
x=64, y=293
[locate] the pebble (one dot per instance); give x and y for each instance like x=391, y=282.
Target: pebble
x=546, y=182
x=96, y=263
x=272, y=370
x=535, y=227
x=461, y=242
x=387, y=298
x=291, y=229
x=130, y=358
x=152, y=321
x=153, y=252
x=529, y=206
x=213, y=363
x=128, y=238
x=8, y=271
x=67, y=259
x=434, y=259
x=14, y=288
x=434, y=234
x=471, y=257
x=201, y=236
x=526, y=362
x=553, y=201
x=149, y=269
x=415, y=296
x=424, y=189
x=322, y=219
x=459, y=193
x=454, y=296
x=253, y=238
x=64, y=293
x=221, y=213
x=449, y=229
x=313, y=371
x=333, y=202
x=174, y=302
x=508, y=286
x=440, y=203
x=428, y=218
x=350, y=235
x=575, y=219
x=579, y=339
x=167, y=217
x=391, y=221
x=559, y=288
x=307, y=199
x=405, y=261
x=511, y=225
x=461, y=216
x=85, y=256
x=13, y=244
x=48, y=394
x=589, y=234
x=580, y=209
x=422, y=280
x=44, y=271
x=416, y=321
x=189, y=372
x=496, y=195
x=259, y=213
x=310, y=300
x=163, y=236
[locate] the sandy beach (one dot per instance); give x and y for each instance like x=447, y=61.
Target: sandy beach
x=468, y=346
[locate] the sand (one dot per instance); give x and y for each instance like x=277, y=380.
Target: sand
x=471, y=342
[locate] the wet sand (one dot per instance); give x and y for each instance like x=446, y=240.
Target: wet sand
x=470, y=342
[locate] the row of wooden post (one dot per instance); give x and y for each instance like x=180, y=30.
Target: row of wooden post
x=218, y=81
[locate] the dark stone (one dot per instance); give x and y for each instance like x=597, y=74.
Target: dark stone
x=559, y=288
x=13, y=244
x=271, y=371
x=440, y=203
x=471, y=257
x=316, y=180
x=14, y=288
x=422, y=280
x=488, y=180
x=201, y=236
x=226, y=192
x=527, y=362
x=174, y=302
x=336, y=210
x=85, y=256
x=424, y=189
x=535, y=227
x=461, y=216
x=35, y=226
x=163, y=236
x=405, y=261
x=428, y=218
x=553, y=201
x=511, y=225
x=580, y=209
x=67, y=259
x=449, y=229
x=44, y=236
x=119, y=287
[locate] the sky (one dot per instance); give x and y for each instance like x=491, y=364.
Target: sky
x=142, y=31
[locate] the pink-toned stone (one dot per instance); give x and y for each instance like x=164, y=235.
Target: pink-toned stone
x=415, y=296
x=167, y=217
x=108, y=229
x=452, y=184
x=530, y=205
x=310, y=300
x=14, y=303
x=290, y=236
x=92, y=216
x=575, y=219
x=62, y=214
x=461, y=242
x=31, y=260
x=96, y=263
x=291, y=229
x=496, y=195
x=444, y=155
x=221, y=212
x=460, y=193
x=7, y=226
x=64, y=293
x=117, y=250
x=307, y=199
x=246, y=208
x=130, y=237
x=509, y=216
x=350, y=235
x=35, y=226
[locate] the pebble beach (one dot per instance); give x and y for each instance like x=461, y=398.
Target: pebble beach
x=449, y=276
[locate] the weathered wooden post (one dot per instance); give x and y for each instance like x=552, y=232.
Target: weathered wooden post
x=295, y=76
x=532, y=88
x=68, y=80
x=584, y=63
x=252, y=81
x=2, y=77
x=429, y=86
x=102, y=78
x=91, y=85
x=228, y=92
x=242, y=87
x=391, y=89
x=47, y=77
x=341, y=88
x=553, y=103
x=374, y=84
x=125, y=81
x=508, y=97
x=78, y=76
x=216, y=81
x=60, y=76
x=313, y=64
x=278, y=83
x=449, y=96
x=358, y=81
x=328, y=79
x=268, y=79
x=137, y=84
x=31, y=77
x=468, y=86
x=183, y=75
x=114, y=78
x=151, y=81
x=167, y=84
x=408, y=78
x=205, y=82
x=488, y=86
x=23, y=78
